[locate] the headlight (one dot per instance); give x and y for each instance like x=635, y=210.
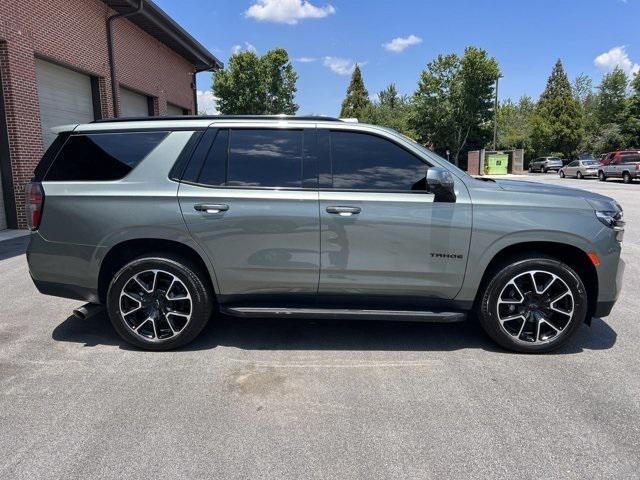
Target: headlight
x=613, y=220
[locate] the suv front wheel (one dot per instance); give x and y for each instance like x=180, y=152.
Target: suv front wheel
x=533, y=305
x=159, y=302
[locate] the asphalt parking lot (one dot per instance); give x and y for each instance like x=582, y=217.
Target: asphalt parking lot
x=297, y=399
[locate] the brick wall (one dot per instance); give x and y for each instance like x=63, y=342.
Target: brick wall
x=73, y=33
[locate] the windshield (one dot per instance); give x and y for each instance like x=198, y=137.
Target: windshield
x=554, y=159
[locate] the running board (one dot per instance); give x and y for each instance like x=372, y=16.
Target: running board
x=338, y=313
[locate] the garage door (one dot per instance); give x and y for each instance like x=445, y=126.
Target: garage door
x=133, y=104
x=173, y=110
x=65, y=98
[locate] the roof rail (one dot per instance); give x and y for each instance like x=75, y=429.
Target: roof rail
x=220, y=117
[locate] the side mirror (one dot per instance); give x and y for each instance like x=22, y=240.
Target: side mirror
x=440, y=183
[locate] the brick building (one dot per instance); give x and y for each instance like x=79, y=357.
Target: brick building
x=73, y=61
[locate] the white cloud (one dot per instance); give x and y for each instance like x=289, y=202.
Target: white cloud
x=341, y=66
x=287, y=11
x=239, y=48
x=616, y=57
x=305, y=59
x=206, y=102
x=399, y=44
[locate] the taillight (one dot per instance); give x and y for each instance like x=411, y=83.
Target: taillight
x=33, y=204
x=637, y=167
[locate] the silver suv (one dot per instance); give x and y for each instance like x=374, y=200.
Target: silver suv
x=165, y=221
x=544, y=164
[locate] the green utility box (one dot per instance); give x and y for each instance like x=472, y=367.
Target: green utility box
x=496, y=164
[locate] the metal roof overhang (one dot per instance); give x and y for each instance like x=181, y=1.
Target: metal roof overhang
x=153, y=20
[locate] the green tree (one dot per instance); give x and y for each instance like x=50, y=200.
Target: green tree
x=389, y=110
x=633, y=112
x=256, y=85
x=557, y=120
x=357, y=99
x=514, y=124
x=453, y=105
x=612, y=97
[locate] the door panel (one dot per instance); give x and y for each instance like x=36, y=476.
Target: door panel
x=265, y=242
x=395, y=245
x=389, y=240
x=252, y=208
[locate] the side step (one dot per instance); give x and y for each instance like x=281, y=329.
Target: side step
x=338, y=313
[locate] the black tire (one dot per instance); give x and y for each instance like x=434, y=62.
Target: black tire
x=530, y=169
x=579, y=175
x=626, y=178
x=544, y=170
x=601, y=176
x=487, y=310
x=192, y=279
x=561, y=173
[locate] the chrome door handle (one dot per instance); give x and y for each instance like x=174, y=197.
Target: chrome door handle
x=344, y=211
x=211, y=208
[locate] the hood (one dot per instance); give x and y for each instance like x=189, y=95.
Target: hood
x=597, y=201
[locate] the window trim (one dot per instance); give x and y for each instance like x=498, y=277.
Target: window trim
x=370, y=190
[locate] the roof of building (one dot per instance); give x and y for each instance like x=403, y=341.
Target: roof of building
x=153, y=20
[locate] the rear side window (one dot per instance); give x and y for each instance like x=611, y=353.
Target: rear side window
x=366, y=162
x=102, y=156
x=265, y=158
x=251, y=158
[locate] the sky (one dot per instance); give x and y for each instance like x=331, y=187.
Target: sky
x=394, y=40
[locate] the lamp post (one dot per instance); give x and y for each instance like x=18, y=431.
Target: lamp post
x=495, y=116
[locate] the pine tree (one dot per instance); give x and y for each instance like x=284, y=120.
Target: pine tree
x=357, y=99
x=557, y=122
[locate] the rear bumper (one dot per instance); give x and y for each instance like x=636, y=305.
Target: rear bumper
x=63, y=270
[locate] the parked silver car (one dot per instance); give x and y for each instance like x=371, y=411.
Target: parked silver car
x=544, y=164
x=165, y=221
x=580, y=169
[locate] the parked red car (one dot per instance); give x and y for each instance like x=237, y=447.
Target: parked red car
x=607, y=158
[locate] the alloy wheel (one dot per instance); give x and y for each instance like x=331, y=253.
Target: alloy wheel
x=535, y=307
x=156, y=305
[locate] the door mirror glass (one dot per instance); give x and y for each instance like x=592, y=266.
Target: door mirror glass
x=440, y=183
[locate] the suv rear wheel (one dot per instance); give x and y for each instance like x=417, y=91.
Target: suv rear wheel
x=601, y=176
x=533, y=305
x=159, y=302
x=626, y=177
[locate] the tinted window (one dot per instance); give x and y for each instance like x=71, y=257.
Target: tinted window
x=215, y=166
x=265, y=158
x=102, y=156
x=630, y=158
x=367, y=162
x=573, y=164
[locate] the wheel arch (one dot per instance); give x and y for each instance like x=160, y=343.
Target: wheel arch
x=127, y=250
x=573, y=256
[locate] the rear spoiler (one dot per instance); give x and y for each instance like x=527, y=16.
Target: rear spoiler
x=64, y=128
